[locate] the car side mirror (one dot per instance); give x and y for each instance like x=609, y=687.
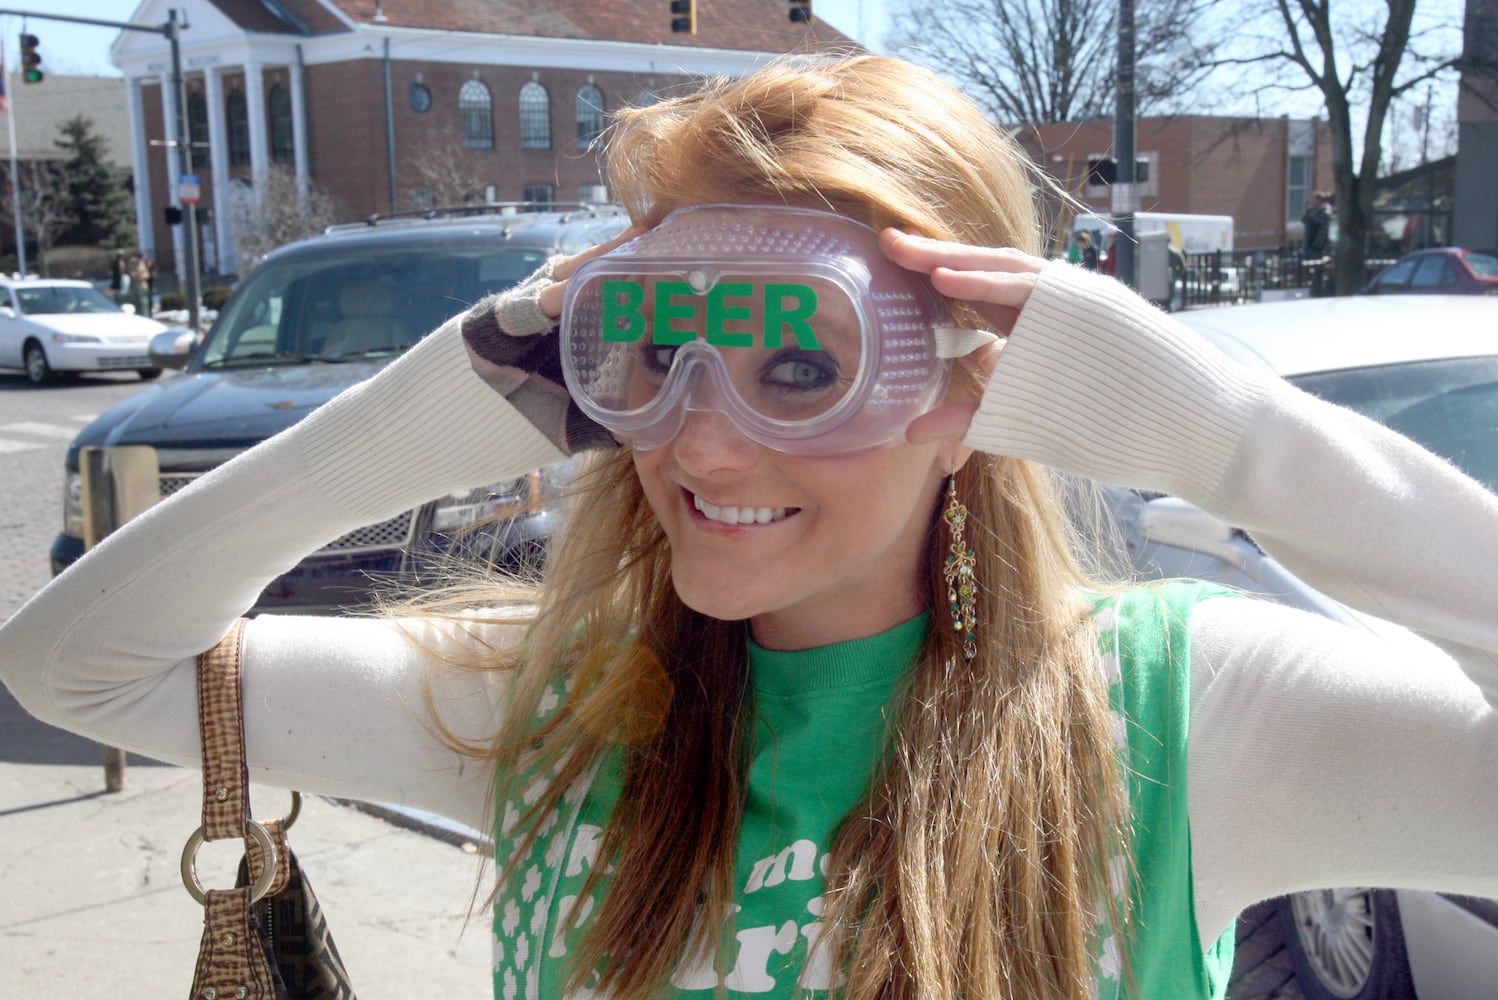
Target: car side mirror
x=128, y=307
x=7, y=312
x=171, y=348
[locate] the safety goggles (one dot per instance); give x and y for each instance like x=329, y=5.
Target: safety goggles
x=790, y=322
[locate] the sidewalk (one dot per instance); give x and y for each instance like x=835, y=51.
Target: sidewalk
x=93, y=904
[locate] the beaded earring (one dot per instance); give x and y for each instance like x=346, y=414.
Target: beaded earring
x=958, y=572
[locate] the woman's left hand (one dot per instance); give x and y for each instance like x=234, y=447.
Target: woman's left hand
x=996, y=282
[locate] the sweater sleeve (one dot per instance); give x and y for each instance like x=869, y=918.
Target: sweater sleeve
x=108, y=648
x=1094, y=380
x=1318, y=755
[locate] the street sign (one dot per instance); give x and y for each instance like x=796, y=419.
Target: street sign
x=189, y=192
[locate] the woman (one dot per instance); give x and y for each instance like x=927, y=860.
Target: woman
x=757, y=733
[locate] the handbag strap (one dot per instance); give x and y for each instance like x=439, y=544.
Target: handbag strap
x=226, y=777
x=231, y=961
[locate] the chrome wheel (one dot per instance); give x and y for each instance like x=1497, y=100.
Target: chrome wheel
x=1338, y=932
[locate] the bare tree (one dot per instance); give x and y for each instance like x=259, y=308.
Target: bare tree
x=445, y=175
x=46, y=210
x=1361, y=60
x=277, y=210
x=1044, y=61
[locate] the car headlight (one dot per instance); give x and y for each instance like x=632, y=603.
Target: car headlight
x=497, y=500
x=74, y=338
x=72, y=505
x=511, y=498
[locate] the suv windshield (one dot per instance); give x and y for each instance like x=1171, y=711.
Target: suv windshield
x=365, y=304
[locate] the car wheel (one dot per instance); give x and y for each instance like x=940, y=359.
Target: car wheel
x=1347, y=944
x=147, y=374
x=38, y=370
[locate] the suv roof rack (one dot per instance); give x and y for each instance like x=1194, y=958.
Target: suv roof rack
x=505, y=209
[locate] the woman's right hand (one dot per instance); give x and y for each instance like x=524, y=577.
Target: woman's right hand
x=509, y=343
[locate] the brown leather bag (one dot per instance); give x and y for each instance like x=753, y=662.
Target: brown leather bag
x=266, y=938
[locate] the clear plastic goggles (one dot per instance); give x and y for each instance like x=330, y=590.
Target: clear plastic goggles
x=788, y=321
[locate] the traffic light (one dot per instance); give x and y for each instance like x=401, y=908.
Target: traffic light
x=684, y=16
x=801, y=11
x=31, y=59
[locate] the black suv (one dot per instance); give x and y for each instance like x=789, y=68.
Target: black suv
x=312, y=319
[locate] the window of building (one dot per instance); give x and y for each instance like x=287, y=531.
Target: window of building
x=422, y=197
x=589, y=116
x=593, y=194
x=540, y=194
x=476, y=110
x=535, y=117
x=282, y=143
x=239, y=128
x=197, y=127
x=1299, y=187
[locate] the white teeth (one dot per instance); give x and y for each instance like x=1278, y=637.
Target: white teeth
x=738, y=515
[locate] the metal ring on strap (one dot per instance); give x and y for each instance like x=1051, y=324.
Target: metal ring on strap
x=296, y=810
x=267, y=872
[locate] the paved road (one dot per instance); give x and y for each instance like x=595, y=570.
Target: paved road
x=90, y=879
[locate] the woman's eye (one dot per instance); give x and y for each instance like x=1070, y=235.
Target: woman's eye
x=800, y=373
x=658, y=357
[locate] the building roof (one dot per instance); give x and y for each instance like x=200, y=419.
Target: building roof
x=760, y=25
x=39, y=109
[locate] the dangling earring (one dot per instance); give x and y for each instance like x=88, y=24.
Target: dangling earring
x=958, y=572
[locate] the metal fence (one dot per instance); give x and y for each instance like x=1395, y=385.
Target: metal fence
x=1220, y=278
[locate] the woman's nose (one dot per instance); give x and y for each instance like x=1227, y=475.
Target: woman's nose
x=710, y=442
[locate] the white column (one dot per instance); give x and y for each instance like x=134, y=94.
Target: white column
x=254, y=93
x=299, y=126
x=218, y=165
x=169, y=118
x=140, y=166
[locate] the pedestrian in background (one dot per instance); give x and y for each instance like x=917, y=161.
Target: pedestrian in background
x=1317, y=223
x=1087, y=251
x=140, y=286
x=819, y=694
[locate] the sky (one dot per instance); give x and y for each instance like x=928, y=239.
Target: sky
x=84, y=50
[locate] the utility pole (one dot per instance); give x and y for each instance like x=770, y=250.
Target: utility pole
x=172, y=32
x=1125, y=192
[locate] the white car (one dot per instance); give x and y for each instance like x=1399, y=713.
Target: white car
x=49, y=327
x=1426, y=366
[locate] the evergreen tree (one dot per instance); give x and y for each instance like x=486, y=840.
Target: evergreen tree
x=105, y=215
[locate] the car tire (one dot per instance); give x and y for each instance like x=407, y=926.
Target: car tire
x=39, y=370
x=1347, y=944
x=147, y=374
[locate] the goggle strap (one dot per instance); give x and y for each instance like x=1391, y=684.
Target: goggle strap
x=959, y=342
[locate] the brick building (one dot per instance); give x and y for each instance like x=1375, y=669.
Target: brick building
x=1258, y=170
x=392, y=105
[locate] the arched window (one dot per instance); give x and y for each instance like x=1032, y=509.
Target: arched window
x=197, y=127
x=239, y=128
x=476, y=110
x=589, y=116
x=282, y=145
x=535, y=117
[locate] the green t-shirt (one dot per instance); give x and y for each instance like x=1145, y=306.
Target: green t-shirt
x=822, y=717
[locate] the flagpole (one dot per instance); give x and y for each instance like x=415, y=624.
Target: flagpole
x=15, y=175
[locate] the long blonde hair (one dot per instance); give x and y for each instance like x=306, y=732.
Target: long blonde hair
x=976, y=865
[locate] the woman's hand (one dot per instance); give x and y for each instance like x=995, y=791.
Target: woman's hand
x=510, y=345
x=995, y=282
x=552, y=294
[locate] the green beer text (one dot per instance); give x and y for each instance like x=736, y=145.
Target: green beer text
x=679, y=312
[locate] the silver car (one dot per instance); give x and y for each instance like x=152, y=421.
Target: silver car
x=1425, y=366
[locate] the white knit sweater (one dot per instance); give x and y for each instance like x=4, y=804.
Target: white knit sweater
x=1302, y=730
